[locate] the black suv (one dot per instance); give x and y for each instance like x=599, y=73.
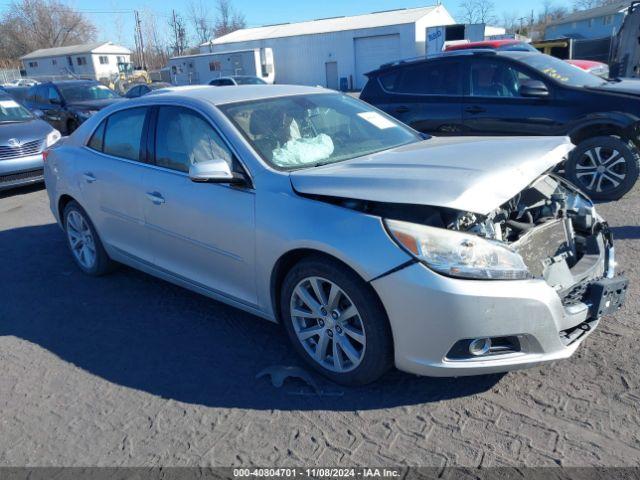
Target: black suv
x=486, y=92
x=68, y=103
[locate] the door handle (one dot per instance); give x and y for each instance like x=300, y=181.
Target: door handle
x=155, y=197
x=402, y=109
x=475, y=109
x=89, y=178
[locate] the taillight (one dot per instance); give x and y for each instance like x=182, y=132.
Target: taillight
x=45, y=154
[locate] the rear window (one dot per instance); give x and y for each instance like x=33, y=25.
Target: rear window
x=123, y=134
x=429, y=78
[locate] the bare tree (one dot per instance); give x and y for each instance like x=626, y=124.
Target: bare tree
x=29, y=25
x=477, y=11
x=510, y=22
x=199, y=18
x=178, y=32
x=154, y=41
x=228, y=19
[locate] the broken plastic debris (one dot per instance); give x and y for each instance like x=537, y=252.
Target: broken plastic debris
x=279, y=373
x=301, y=151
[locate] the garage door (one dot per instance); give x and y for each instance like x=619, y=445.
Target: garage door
x=371, y=52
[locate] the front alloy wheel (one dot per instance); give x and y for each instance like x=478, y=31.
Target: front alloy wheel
x=328, y=324
x=336, y=321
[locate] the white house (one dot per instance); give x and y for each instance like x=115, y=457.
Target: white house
x=337, y=52
x=94, y=60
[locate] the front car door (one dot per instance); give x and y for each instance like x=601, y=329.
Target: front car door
x=494, y=105
x=426, y=96
x=202, y=233
x=53, y=108
x=111, y=181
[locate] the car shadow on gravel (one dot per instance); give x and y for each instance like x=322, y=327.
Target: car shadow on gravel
x=143, y=333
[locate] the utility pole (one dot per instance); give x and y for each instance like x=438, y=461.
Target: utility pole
x=140, y=40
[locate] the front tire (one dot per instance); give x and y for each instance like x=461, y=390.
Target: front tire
x=83, y=241
x=336, y=322
x=605, y=168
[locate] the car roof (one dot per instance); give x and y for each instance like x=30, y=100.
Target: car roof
x=240, y=93
x=464, y=52
x=73, y=82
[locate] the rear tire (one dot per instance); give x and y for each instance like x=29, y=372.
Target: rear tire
x=344, y=334
x=83, y=241
x=605, y=168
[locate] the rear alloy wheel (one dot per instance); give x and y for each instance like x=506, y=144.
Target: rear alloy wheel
x=336, y=322
x=605, y=168
x=84, y=243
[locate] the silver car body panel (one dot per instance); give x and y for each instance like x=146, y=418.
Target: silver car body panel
x=465, y=173
x=226, y=241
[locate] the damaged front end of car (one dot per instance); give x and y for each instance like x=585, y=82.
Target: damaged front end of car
x=549, y=231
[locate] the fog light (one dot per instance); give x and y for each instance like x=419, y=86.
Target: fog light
x=480, y=346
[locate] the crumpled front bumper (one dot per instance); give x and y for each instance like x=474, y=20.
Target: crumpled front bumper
x=429, y=313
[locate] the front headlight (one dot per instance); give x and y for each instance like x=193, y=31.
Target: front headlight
x=52, y=138
x=458, y=254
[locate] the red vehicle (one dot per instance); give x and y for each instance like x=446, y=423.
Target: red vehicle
x=503, y=45
x=596, y=68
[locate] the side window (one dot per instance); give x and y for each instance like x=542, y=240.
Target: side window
x=32, y=94
x=184, y=138
x=53, y=96
x=431, y=78
x=97, y=139
x=496, y=79
x=41, y=94
x=390, y=80
x=123, y=134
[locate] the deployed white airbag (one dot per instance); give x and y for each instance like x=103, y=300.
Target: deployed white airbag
x=302, y=151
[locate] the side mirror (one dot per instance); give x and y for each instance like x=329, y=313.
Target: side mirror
x=533, y=88
x=38, y=113
x=214, y=171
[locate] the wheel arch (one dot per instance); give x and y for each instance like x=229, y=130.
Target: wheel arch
x=624, y=127
x=289, y=259
x=63, y=201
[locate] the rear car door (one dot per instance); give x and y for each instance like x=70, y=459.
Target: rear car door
x=111, y=180
x=494, y=105
x=426, y=96
x=203, y=233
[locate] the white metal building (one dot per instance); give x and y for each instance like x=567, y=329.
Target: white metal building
x=337, y=52
x=94, y=60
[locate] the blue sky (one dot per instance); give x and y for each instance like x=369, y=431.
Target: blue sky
x=114, y=18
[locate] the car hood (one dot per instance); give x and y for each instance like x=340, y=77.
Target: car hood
x=24, y=132
x=95, y=104
x=627, y=86
x=464, y=173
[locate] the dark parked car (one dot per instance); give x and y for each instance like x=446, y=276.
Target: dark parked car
x=19, y=94
x=144, y=88
x=68, y=103
x=485, y=92
x=22, y=139
x=237, y=80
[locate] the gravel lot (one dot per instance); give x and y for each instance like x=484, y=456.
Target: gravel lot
x=130, y=370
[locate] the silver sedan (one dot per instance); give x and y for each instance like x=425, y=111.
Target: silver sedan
x=373, y=245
